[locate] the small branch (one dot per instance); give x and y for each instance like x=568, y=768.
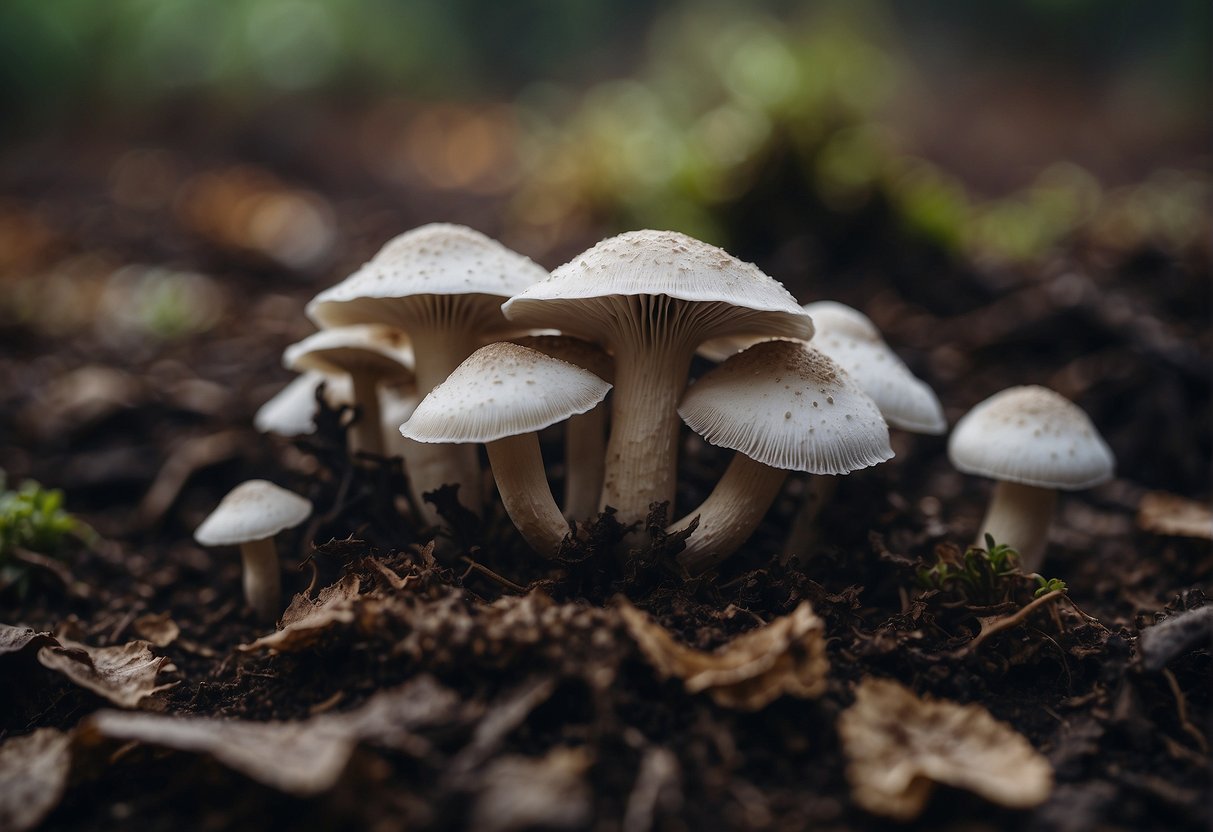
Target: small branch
x=990, y=627
x=473, y=566
x=1181, y=708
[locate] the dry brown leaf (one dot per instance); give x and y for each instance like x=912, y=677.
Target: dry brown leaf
x=898, y=746
x=523, y=793
x=302, y=758
x=1171, y=514
x=786, y=656
x=16, y=639
x=125, y=674
x=157, y=628
x=306, y=621
x=33, y=776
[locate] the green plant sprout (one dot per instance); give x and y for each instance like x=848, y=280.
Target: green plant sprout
x=982, y=574
x=31, y=518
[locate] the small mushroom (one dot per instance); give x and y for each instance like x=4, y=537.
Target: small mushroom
x=369, y=355
x=585, y=433
x=249, y=516
x=782, y=406
x=292, y=410
x=502, y=395
x=652, y=297
x=1034, y=442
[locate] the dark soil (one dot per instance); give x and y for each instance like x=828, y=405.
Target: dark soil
x=1126, y=336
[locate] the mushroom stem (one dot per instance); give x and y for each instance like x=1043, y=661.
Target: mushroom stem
x=730, y=513
x=584, y=463
x=1019, y=515
x=436, y=354
x=522, y=483
x=262, y=578
x=367, y=431
x=819, y=490
x=642, y=452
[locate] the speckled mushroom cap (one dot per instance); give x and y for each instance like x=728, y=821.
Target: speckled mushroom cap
x=577, y=351
x=1032, y=436
x=788, y=406
x=426, y=274
x=253, y=510
x=503, y=390
x=380, y=350
x=292, y=411
x=583, y=297
x=853, y=341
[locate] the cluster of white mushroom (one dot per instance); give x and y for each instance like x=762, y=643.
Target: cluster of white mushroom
x=447, y=339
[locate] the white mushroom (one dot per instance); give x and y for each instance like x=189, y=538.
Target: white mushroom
x=783, y=407
x=1034, y=442
x=651, y=297
x=585, y=433
x=292, y=410
x=369, y=355
x=443, y=286
x=502, y=395
x=249, y=516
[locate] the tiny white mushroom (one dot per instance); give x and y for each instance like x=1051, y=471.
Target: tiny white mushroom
x=249, y=516
x=1034, y=442
x=782, y=407
x=369, y=355
x=502, y=395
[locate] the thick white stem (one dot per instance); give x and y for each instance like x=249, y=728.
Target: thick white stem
x=1019, y=516
x=642, y=453
x=367, y=432
x=730, y=514
x=262, y=578
x=584, y=463
x=523, y=486
x=436, y=354
x=819, y=490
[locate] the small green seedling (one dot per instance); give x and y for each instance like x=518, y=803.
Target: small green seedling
x=1047, y=585
x=984, y=575
x=31, y=518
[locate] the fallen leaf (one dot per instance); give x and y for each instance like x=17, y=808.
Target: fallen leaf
x=1171, y=514
x=302, y=757
x=157, y=628
x=524, y=793
x=786, y=656
x=33, y=776
x=16, y=639
x=125, y=674
x=306, y=621
x=899, y=746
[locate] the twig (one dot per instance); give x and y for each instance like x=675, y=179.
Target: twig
x=1181, y=708
x=490, y=574
x=989, y=628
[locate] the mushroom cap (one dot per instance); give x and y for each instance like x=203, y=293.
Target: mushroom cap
x=1032, y=436
x=253, y=510
x=596, y=294
x=408, y=280
x=292, y=411
x=577, y=351
x=854, y=342
x=503, y=390
x=789, y=406
x=360, y=348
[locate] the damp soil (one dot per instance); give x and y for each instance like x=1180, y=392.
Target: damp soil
x=166, y=430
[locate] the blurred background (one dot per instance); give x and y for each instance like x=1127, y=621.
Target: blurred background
x=1016, y=192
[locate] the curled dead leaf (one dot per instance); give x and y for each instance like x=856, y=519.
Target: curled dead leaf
x=306, y=621
x=124, y=674
x=16, y=639
x=303, y=757
x=33, y=777
x=786, y=656
x=898, y=746
x=1171, y=514
x=157, y=628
